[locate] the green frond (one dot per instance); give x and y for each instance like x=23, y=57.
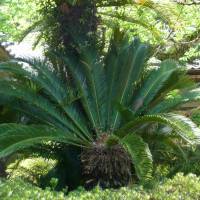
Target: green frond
x=113, y=61
x=167, y=104
x=40, y=73
x=80, y=80
x=172, y=102
x=165, y=11
x=125, y=113
x=181, y=125
x=164, y=145
x=46, y=79
x=179, y=80
x=140, y=154
x=131, y=69
x=153, y=83
x=187, y=127
x=26, y=94
x=14, y=137
x=96, y=82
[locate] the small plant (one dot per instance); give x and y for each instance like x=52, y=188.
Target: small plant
x=53, y=182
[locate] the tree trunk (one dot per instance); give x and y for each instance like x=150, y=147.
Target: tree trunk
x=67, y=23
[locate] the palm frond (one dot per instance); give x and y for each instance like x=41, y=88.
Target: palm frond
x=96, y=82
x=80, y=80
x=130, y=73
x=113, y=61
x=164, y=11
x=187, y=126
x=181, y=125
x=140, y=154
x=165, y=145
x=14, y=137
x=179, y=80
x=46, y=79
x=153, y=83
x=29, y=96
x=173, y=101
x=36, y=25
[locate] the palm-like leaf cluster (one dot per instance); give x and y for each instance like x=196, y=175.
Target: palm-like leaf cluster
x=114, y=97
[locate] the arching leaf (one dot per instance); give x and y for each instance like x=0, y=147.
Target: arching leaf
x=14, y=137
x=140, y=154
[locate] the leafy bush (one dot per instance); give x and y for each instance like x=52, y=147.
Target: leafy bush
x=17, y=189
x=30, y=169
x=180, y=187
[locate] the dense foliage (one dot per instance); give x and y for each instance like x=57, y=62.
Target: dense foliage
x=15, y=17
x=180, y=187
x=30, y=169
x=171, y=27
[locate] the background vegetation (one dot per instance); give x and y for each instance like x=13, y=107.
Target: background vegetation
x=172, y=28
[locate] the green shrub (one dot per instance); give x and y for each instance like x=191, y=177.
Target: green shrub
x=17, y=189
x=30, y=169
x=180, y=187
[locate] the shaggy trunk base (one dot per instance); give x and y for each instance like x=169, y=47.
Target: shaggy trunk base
x=106, y=167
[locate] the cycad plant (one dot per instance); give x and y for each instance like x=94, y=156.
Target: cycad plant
x=106, y=108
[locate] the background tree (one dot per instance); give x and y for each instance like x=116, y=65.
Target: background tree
x=15, y=17
x=172, y=28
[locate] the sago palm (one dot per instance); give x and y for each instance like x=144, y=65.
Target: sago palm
x=106, y=109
